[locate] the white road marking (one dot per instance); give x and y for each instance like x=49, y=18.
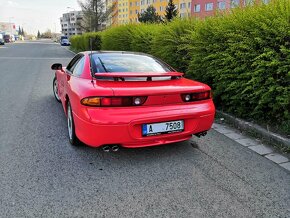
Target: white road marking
x=27, y=42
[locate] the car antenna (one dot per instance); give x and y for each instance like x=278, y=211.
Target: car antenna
x=91, y=61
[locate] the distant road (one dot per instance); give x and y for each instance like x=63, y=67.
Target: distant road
x=41, y=175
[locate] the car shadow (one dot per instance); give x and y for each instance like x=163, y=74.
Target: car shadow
x=56, y=128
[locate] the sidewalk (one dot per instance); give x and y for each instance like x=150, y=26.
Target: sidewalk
x=260, y=143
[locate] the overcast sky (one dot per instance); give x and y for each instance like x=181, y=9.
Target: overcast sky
x=34, y=15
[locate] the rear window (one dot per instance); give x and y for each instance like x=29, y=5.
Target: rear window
x=127, y=63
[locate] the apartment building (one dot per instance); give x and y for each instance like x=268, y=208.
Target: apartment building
x=134, y=10
x=128, y=10
x=184, y=8
x=123, y=11
x=205, y=8
x=113, y=19
x=70, y=23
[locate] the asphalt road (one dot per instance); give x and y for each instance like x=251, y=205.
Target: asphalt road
x=41, y=175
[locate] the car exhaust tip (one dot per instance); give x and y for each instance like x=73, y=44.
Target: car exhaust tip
x=115, y=148
x=201, y=134
x=106, y=148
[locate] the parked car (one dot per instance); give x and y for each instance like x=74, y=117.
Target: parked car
x=63, y=37
x=2, y=42
x=65, y=42
x=7, y=39
x=124, y=99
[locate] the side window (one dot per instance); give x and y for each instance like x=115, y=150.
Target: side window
x=79, y=67
x=73, y=62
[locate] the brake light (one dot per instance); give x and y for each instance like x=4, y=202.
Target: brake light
x=113, y=101
x=198, y=96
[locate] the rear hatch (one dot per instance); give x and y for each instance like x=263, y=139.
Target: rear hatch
x=157, y=92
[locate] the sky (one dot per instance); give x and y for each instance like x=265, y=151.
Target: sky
x=34, y=15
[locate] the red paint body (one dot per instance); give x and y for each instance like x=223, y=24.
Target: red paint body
x=97, y=126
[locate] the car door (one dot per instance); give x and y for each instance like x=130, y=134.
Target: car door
x=63, y=77
x=73, y=73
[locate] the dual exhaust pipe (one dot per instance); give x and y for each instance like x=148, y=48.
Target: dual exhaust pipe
x=115, y=148
x=108, y=148
x=201, y=134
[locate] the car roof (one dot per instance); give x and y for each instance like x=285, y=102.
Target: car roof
x=115, y=52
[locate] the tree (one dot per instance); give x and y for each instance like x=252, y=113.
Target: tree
x=46, y=34
x=150, y=16
x=95, y=14
x=22, y=32
x=19, y=31
x=38, y=34
x=171, y=11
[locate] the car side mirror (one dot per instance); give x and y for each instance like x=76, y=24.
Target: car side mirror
x=56, y=66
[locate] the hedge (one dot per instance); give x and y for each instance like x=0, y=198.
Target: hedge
x=83, y=42
x=243, y=55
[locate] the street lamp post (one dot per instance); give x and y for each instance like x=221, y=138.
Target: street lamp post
x=10, y=24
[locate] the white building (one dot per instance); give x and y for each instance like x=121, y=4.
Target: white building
x=8, y=28
x=70, y=23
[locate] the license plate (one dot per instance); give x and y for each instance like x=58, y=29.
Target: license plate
x=162, y=128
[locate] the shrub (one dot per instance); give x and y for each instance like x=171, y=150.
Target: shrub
x=82, y=42
x=245, y=57
x=131, y=37
x=170, y=43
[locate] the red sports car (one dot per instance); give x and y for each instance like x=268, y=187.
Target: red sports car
x=124, y=99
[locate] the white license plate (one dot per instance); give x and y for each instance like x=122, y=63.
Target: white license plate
x=162, y=128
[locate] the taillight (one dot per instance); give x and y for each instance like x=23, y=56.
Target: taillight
x=113, y=101
x=198, y=96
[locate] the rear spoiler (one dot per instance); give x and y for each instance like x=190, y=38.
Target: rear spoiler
x=121, y=74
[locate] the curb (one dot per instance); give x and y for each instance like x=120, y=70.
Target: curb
x=268, y=136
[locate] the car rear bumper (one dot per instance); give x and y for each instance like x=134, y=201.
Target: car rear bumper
x=124, y=127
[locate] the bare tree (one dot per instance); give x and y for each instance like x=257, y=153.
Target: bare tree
x=95, y=14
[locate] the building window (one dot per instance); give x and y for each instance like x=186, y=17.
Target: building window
x=189, y=4
x=161, y=8
x=130, y=4
x=235, y=3
x=182, y=6
x=221, y=5
x=131, y=12
x=142, y=2
x=209, y=7
x=196, y=8
x=142, y=10
x=136, y=11
x=148, y=2
x=249, y=2
x=137, y=3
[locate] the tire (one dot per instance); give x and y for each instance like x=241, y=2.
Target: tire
x=55, y=89
x=71, y=127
